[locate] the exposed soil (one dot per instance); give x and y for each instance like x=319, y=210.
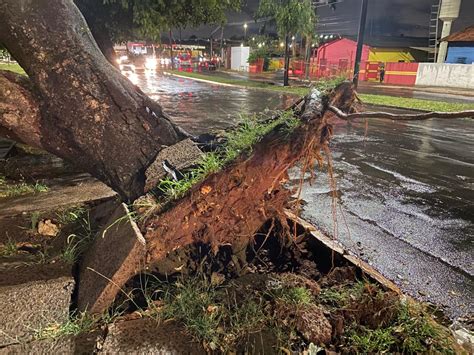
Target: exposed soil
x=283, y=295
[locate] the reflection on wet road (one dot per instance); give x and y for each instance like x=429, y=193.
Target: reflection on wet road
x=405, y=204
x=198, y=106
x=405, y=190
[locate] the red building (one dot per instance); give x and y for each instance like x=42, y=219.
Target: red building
x=399, y=55
x=337, y=58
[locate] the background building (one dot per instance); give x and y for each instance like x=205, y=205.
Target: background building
x=461, y=46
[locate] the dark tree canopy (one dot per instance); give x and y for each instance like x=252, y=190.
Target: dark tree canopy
x=129, y=19
x=290, y=16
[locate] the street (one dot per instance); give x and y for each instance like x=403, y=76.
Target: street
x=199, y=107
x=405, y=189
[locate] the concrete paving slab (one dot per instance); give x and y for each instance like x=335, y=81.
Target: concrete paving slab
x=147, y=336
x=33, y=297
x=82, y=344
x=182, y=155
x=17, y=214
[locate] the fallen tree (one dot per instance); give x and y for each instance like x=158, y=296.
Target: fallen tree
x=76, y=105
x=224, y=205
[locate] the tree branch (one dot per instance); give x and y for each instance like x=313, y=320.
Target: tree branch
x=401, y=117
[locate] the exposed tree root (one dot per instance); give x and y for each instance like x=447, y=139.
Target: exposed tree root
x=228, y=207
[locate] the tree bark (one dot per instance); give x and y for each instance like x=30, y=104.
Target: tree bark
x=89, y=113
x=99, y=30
x=19, y=109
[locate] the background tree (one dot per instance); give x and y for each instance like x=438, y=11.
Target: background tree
x=291, y=17
x=116, y=21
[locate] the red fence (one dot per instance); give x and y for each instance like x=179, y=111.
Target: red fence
x=401, y=73
x=395, y=73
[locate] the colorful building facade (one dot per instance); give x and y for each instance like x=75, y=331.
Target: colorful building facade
x=337, y=58
x=461, y=47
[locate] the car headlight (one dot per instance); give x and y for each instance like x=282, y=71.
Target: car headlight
x=150, y=63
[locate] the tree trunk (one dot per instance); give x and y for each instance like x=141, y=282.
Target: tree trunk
x=307, y=57
x=94, y=13
x=89, y=113
x=105, y=44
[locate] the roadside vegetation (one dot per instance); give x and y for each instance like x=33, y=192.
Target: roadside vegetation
x=265, y=312
x=21, y=188
x=281, y=307
x=250, y=130
x=380, y=100
x=416, y=104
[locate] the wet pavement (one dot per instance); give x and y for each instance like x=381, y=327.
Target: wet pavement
x=405, y=204
x=199, y=106
x=405, y=190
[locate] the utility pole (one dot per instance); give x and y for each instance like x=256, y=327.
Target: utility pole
x=171, y=50
x=287, y=60
x=360, y=41
x=222, y=46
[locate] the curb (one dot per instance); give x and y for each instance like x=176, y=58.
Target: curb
x=202, y=80
x=228, y=85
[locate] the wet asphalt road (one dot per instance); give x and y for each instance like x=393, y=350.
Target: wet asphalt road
x=405, y=190
x=199, y=106
x=405, y=204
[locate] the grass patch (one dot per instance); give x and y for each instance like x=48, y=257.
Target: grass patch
x=9, y=248
x=418, y=104
x=19, y=189
x=224, y=318
x=251, y=130
x=297, y=296
x=203, y=309
x=77, y=242
x=366, y=341
x=378, y=322
x=34, y=220
x=76, y=324
x=413, y=331
x=14, y=67
x=70, y=215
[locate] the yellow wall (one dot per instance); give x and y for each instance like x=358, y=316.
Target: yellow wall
x=390, y=55
x=275, y=64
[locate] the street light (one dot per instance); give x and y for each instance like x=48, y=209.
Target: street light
x=245, y=31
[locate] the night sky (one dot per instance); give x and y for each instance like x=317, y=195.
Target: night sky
x=385, y=18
